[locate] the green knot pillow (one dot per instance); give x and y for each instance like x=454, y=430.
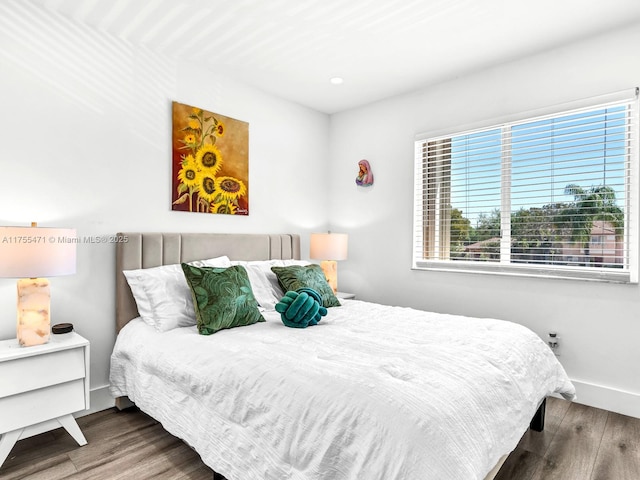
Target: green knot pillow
x=301, y=308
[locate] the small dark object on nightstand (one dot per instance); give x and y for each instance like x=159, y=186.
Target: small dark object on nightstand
x=62, y=328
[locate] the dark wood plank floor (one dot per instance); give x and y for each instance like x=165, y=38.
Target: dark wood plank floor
x=578, y=443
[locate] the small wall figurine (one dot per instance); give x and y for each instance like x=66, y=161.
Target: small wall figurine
x=365, y=175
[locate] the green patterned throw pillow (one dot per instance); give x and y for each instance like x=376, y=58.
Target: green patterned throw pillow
x=294, y=277
x=222, y=297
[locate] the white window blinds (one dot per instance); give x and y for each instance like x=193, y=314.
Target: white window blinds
x=553, y=195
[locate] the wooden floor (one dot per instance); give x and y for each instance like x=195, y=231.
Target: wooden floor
x=578, y=443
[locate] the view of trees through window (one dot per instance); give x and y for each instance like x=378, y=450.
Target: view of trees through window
x=550, y=191
x=587, y=231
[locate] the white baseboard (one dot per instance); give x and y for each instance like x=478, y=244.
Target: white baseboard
x=608, y=398
x=100, y=399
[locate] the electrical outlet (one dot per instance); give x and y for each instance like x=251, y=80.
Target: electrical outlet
x=553, y=343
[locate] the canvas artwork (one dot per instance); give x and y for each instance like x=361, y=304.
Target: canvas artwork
x=210, y=156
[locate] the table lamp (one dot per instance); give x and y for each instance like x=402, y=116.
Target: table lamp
x=329, y=247
x=30, y=253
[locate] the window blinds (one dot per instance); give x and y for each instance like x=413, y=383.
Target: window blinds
x=548, y=195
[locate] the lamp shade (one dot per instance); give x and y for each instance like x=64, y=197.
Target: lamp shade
x=32, y=252
x=328, y=246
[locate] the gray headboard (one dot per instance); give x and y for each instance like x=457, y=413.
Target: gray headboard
x=144, y=250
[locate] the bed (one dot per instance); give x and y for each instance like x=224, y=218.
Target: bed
x=371, y=391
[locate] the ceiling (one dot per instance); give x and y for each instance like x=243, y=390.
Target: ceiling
x=291, y=48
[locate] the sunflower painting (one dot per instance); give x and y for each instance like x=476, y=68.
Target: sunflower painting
x=210, y=162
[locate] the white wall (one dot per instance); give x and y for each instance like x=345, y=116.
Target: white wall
x=598, y=324
x=86, y=143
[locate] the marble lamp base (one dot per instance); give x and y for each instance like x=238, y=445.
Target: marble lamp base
x=34, y=299
x=330, y=269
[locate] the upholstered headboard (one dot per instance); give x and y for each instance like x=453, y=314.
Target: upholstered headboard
x=145, y=250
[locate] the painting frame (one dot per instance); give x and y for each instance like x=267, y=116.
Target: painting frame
x=210, y=162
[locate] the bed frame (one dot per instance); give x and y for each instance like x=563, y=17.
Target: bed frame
x=145, y=250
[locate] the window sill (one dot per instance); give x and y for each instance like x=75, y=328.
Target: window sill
x=609, y=275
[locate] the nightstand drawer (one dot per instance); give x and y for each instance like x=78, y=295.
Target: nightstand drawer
x=43, y=404
x=30, y=373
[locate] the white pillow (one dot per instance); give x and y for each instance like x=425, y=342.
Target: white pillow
x=163, y=296
x=264, y=282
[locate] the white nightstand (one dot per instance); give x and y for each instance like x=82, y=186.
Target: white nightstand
x=345, y=295
x=41, y=387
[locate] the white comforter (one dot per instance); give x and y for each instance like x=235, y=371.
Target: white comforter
x=372, y=392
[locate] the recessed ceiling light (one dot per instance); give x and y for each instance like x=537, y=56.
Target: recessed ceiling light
x=337, y=80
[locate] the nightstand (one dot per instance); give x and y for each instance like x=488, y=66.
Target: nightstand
x=41, y=387
x=345, y=295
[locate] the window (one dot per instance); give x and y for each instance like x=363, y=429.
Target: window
x=553, y=195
